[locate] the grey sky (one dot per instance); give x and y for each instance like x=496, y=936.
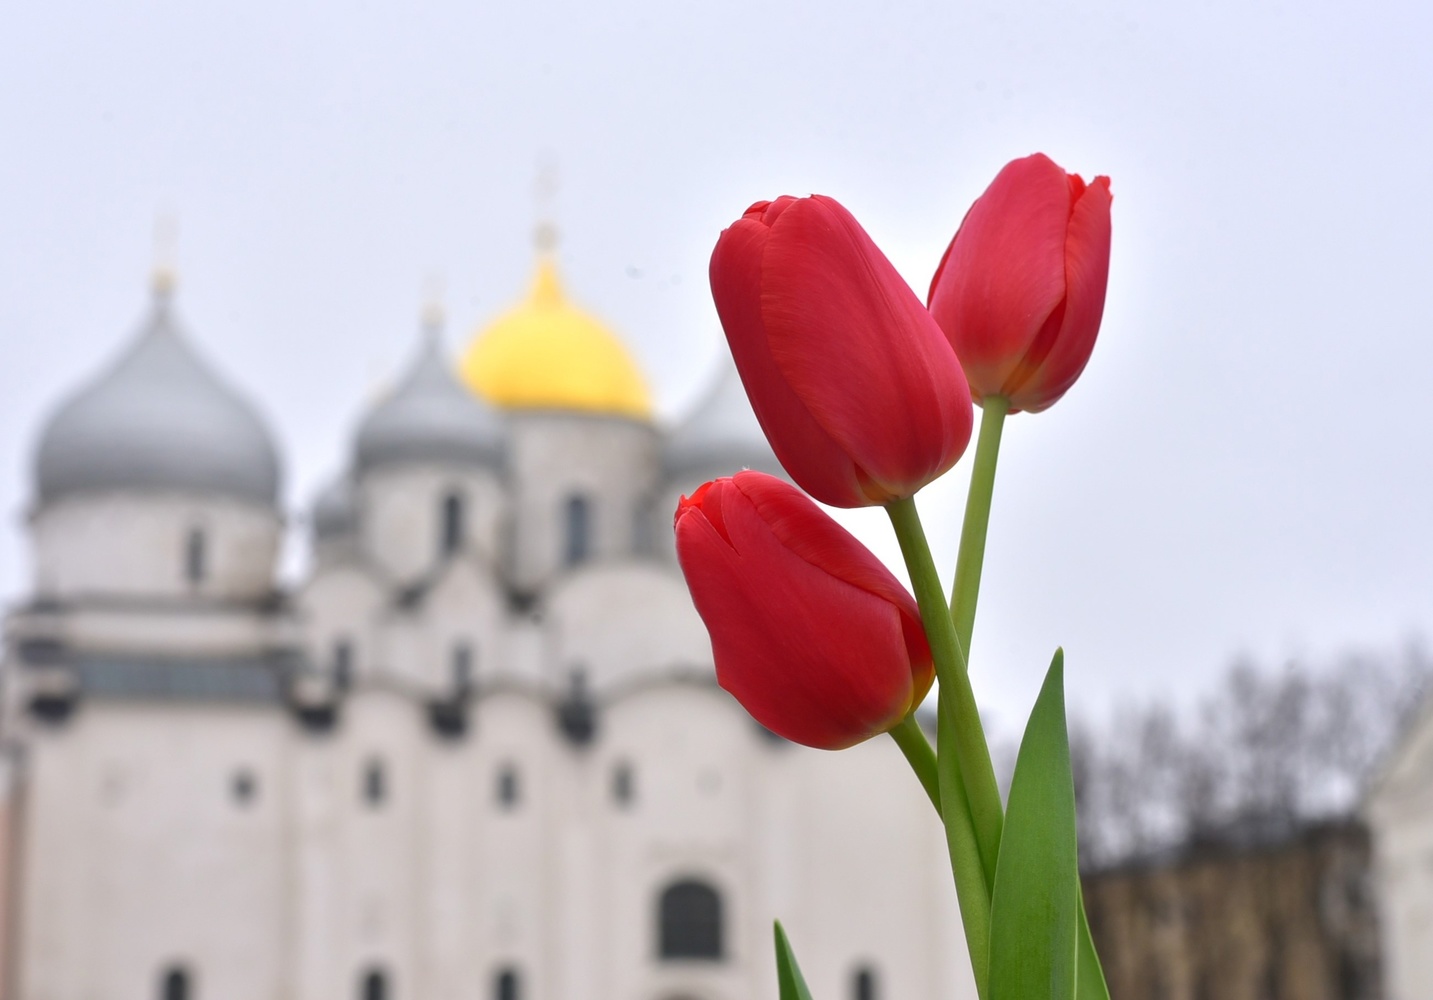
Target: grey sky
x=1245, y=466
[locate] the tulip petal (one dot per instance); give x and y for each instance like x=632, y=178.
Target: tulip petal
x=1003, y=274
x=811, y=535
x=857, y=347
x=1087, y=269
x=804, y=448
x=809, y=655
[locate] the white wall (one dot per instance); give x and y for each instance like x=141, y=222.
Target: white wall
x=133, y=545
x=400, y=519
x=556, y=455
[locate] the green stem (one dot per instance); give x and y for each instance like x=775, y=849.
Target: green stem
x=970, y=561
x=972, y=811
x=973, y=890
x=920, y=754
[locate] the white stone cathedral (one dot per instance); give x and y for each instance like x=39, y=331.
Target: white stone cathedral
x=478, y=752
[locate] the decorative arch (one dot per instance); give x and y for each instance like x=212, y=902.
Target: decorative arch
x=689, y=921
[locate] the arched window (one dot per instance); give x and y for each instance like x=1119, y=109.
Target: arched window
x=375, y=784
x=342, y=664
x=863, y=984
x=624, y=788
x=689, y=920
x=509, y=791
x=244, y=786
x=174, y=984
x=462, y=667
x=507, y=985
x=451, y=539
x=578, y=533
x=195, y=563
x=373, y=985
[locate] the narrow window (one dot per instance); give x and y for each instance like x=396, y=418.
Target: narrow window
x=509, y=791
x=342, y=664
x=579, y=530
x=462, y=667
x=623, y=784
x=507, y=986
x=174, y=984
x=863, y=984
x=689, y=921
x=194, y=556
x=452, y=521
x=244, y=786
x=373, y=985
x=375, y=784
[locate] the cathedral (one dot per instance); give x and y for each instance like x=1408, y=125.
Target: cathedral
x=477, y=751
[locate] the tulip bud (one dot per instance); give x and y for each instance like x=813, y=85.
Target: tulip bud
x=1021, y=288
x=810, y=631
x=852, y=380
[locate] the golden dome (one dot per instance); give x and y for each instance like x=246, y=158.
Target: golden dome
x=547, y=354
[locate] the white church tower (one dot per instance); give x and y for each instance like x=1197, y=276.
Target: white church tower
x=478, y=752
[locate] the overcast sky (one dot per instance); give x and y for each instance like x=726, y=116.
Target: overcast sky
x=1245, y=467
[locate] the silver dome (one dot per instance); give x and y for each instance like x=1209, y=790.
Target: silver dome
x=429, y=417
x=157, y=419
x=721, y=436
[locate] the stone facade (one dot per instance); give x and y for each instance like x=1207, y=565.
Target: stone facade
x=1288, y=917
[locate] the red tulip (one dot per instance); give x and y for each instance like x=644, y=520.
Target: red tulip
x=852, y=381
x=1021, y=288
x=810, y=632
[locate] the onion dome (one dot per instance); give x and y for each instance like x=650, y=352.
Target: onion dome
x=335, y=511
x=429, y=417
x=159, y=419
x=721, y=436
x=547, y=354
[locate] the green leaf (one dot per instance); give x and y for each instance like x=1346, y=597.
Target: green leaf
x=1035, y=908
x=1091, y=984
x=788, y=973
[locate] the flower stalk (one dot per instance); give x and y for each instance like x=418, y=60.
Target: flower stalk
x=966, y=775
x=971, y=559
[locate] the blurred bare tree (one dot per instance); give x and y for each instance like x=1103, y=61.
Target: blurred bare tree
x=1266, y=752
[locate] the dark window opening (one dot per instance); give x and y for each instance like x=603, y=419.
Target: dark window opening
x=375, y=784
x=863, y=984
x=343, y=664
x=462, y=668
x=452, y=519
x=245, y=787
x=194, y=556
x=577, y=713
x=509, y=791
x=623, y=784
x=690, y=921
x=578, y=533
x=174, y=984
x=507, y=986
x=373, y=985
